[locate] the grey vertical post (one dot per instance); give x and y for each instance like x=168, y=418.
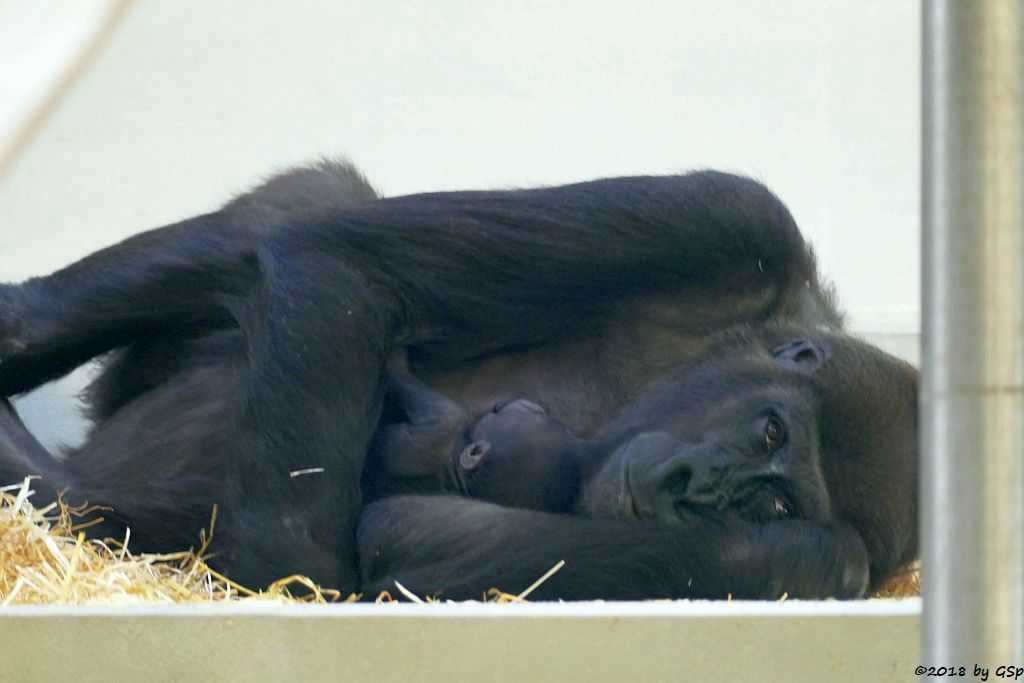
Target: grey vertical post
x=972, y=352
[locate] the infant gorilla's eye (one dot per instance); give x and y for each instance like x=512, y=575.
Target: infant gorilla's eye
x=498, y=406
x=782, y=510
x=774, y=434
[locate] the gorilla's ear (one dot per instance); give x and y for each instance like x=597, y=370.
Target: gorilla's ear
x=473, y=455
x=801, y=355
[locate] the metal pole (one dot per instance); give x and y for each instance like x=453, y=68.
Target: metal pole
x=972, y=405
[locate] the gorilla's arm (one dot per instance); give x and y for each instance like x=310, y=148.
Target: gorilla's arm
x=457, y=548
x=197, y=274
x=460, y=274
x=422, y=443
x=485, y=272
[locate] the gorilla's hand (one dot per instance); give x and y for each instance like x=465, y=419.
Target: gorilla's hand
x=800, y=558
x=458, y=548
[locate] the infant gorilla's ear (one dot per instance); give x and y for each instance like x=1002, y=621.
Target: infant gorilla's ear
x=473, y=455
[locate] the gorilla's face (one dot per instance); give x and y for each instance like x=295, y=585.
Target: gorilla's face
x=768, y=426
x=740, y=442
x=519, y=429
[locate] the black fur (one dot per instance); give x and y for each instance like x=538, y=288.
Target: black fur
x=251, y=342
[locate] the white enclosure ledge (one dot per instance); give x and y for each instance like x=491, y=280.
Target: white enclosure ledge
x=672, y=641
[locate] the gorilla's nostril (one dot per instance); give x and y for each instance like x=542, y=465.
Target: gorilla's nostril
x=677, y=480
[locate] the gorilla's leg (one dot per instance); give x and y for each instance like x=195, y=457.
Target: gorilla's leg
x=194, y=275
x=311, y=398
x=22, y=455
x=300, y=388
x=166, y=457
x=185, y=275
x=235, y=418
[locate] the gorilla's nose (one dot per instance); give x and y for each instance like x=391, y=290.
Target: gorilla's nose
x=676, y=483
x=693, y=479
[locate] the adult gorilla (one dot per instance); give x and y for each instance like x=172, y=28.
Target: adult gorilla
x=771, y=453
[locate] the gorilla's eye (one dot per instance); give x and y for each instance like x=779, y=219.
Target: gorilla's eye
x=498, y=406
x=782, y=510
x=774, y=433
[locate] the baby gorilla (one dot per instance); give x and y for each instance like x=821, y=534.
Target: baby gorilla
x=515, y=455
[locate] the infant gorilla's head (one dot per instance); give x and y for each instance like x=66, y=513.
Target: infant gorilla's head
x=518, y=456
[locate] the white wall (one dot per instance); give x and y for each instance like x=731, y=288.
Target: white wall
x=194, y=100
